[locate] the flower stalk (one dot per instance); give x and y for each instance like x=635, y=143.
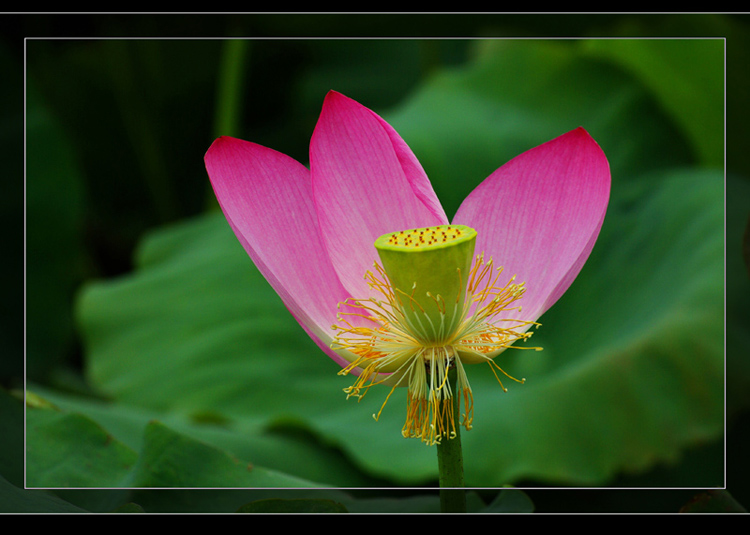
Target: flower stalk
x=450, y=460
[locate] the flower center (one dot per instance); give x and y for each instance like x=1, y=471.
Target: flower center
x=440, y=309
x=427, y=269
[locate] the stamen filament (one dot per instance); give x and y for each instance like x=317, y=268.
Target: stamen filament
x=402, y=348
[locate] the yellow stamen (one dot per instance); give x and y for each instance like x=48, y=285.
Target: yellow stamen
x=393, y=350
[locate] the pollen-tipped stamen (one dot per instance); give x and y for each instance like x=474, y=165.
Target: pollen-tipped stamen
x=423, y=327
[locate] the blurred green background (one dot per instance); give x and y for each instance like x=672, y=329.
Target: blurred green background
x=157, y=357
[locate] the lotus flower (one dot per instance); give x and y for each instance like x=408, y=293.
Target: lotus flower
x=362, y=254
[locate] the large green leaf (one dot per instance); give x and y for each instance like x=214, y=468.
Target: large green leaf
x=632, y=369
x=169, y=459
x=683, y=74
x=70, y=450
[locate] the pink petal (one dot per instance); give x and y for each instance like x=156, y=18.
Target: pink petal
x=267, y=200
x=366, y=182
x=539, y=215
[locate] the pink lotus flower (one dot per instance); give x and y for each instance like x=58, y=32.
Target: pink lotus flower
x=312, y=233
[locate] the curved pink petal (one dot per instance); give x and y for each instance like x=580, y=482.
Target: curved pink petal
x=266, y=197
x=366, y=182
x=539, y=215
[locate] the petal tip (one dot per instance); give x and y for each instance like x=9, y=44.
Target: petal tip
x=218, y=144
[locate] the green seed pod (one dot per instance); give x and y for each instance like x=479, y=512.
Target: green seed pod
x=428, y=270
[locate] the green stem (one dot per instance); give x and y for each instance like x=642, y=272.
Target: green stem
x=231, y=87
x=451, y=463
x=229, y=97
